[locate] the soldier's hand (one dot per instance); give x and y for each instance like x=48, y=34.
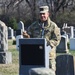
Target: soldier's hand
x=25, y=35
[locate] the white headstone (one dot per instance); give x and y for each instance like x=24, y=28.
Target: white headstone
x=21, y=25
x=17, y=41
x=72, y=32
x=10, y=33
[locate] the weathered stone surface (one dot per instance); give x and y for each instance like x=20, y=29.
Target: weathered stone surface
x=41, y=71
x=3, y=37
x=65, y=65
x=5, y=57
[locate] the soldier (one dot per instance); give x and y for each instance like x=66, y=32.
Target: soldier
x=45, y=28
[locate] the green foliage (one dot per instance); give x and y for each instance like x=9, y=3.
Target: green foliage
x=13, y=23
x=68, y=45
x=14, y=42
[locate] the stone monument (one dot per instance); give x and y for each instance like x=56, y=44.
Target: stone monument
x=65, y=64
x=19, y=33
x=34, y=53
x=21, y=25
x=10, y=33
x=62, y=47
x=5, y=56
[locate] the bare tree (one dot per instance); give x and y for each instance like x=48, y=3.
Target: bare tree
x=32, y=5
x=28, y=8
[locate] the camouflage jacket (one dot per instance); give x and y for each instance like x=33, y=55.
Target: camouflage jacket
x=51, y=32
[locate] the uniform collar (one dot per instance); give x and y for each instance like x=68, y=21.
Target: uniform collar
x=47, y=23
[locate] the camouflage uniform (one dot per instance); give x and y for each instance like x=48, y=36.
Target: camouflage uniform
x=52, y=35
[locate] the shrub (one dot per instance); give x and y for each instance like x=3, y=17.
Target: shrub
x=13, y=23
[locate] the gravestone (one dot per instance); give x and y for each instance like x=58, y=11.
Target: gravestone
x=19, y=32
x=33, y=53
x=10, y=33
x=18, y=36
x=21, y=25
x=72, y=32
x=65, y=65
x=72, y=43
x=5, y=56
x=62, y=47
x=17, y=41
x=15, y=34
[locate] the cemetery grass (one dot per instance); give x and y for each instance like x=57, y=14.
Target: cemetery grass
x=12, y=68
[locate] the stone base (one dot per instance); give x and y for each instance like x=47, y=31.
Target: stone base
x=41, y=71
x=62, y=51
x=11, y=37
x=5, y=57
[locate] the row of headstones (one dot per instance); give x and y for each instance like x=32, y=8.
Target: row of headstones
x=69, y=30
x=67, y=40
x=5, y=34
x=65, y=64
x=12, y=34
x=5, y=55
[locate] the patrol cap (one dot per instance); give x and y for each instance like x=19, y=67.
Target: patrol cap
x=43, y=9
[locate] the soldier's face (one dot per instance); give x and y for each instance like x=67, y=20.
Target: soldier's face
x=44, y=16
